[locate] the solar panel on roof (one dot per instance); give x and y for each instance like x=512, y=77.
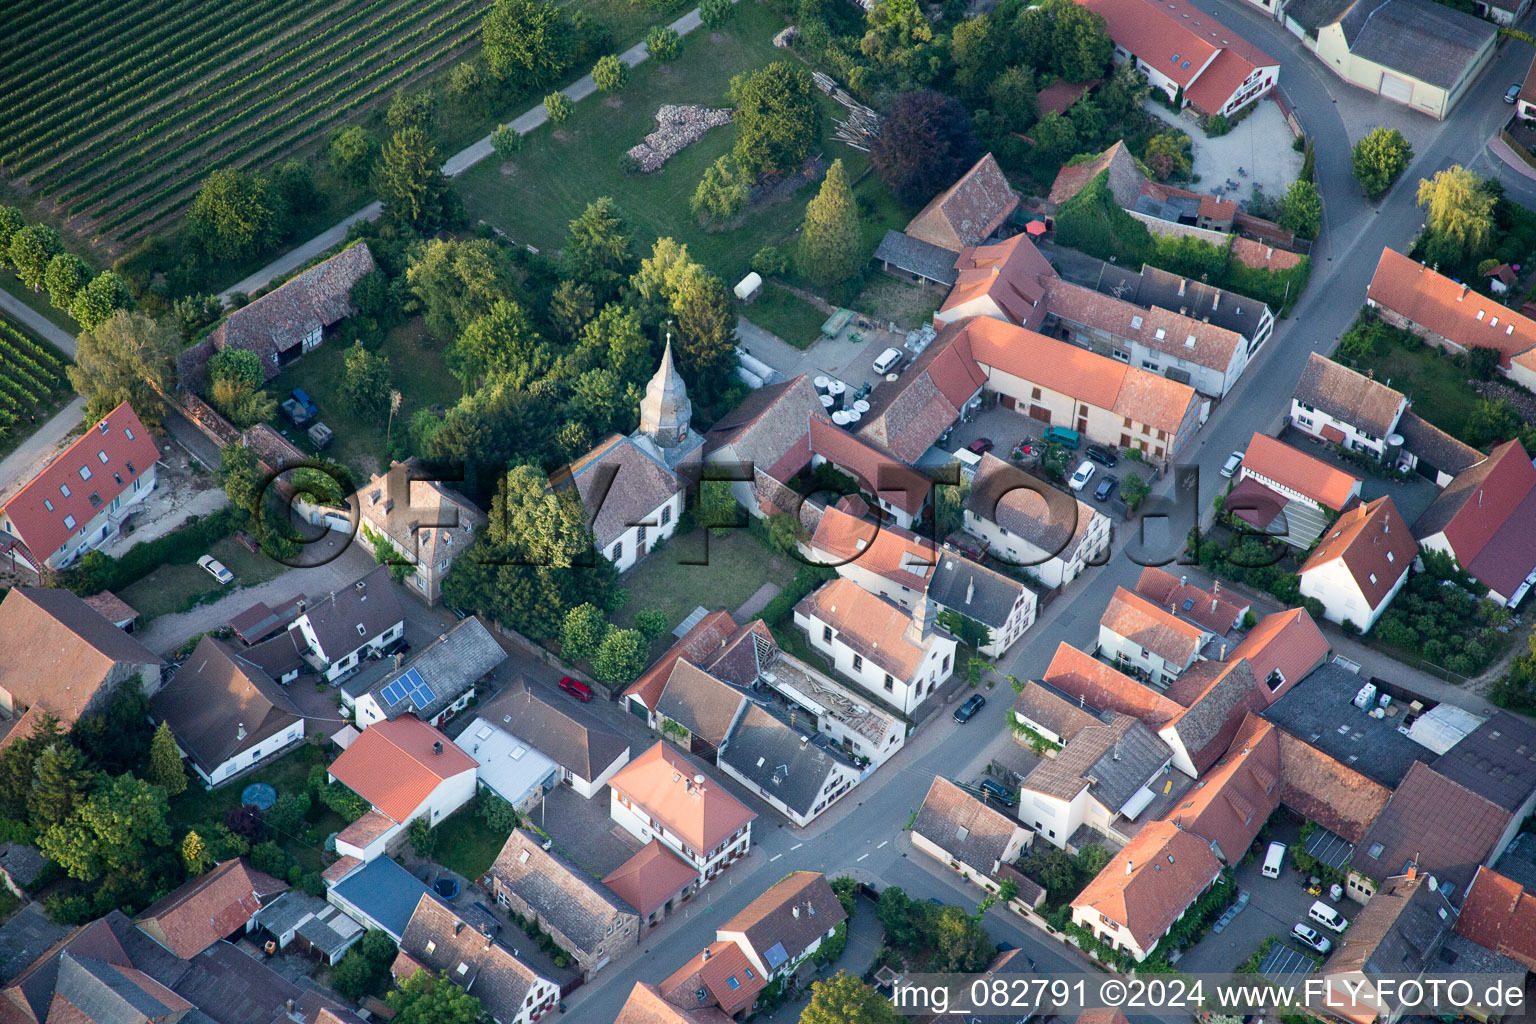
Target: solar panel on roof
x=776, y=955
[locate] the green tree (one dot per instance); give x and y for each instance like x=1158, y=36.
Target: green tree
x=527, y=44
x=830, y=248
x=663, y=43
x=610, y=74
x=777, y=118
x=979, y=58
x=242, y=476
x=896, y=26
x=706, y=322
x=423, y=838
x=286, y=815
x=500, y=341
x=102, y=296
x=844, y=999
x=1167, y=155
x=1012, y=98
x=1134, y=490
x=466, y=84
x=1379, y=158
x=506, y=141
x=715, y=13
x=129, y=358
x=456, y=282
x=65, y=276
x=408, y=178
x=112, y=830
x=559, y=108
x=583, y=632
x=620, y=658
x=1055, y=138
x=1301, y=209
x=32, y=249
x=365, y=381
x=11, y=221
x=364, y=970
x=234, y=387
x=1460, y=213
x=61, y=779
x=770, y=261
x=601, y=248
x=722, y=192
x=571, y=305
x=165, y=767
x=717, y=507
x=235, y=215
x=17, y=763
x=194, y=854
x=428, y=998
x=412, y=110
x=653, y=622
x=351, y=153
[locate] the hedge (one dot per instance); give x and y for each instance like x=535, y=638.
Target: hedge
x=97, y=571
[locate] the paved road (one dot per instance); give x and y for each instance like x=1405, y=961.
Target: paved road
x=37, y=323
x=296, y=258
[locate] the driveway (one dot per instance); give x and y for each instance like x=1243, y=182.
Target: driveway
x=1411, y=496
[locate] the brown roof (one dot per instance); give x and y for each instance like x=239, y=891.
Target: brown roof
x=645, y=1005
x=1209, y=608
x=887, y=550
x=1114, y=759
x=1152, y=627
x=907, y=418
x=1288, y=643
x=1150, y=882
x=1080, y=675
x=559, y=727
x=495, y=974
x=1046, y=705
x=1399, y=931
x=1044, y=515
x=339, y=870
x=366, y=829
x=1260, y=256
x=1330, y=792
x=1157, y=328
x=661, y=783
x=870, y=625
x=1349, y=396
x=1305, y=474
x=1012, y=273
x=1124, y=181
x=647, y=485
x=722, y=973
x=696, y=645
x=58, y=652
x=880, y=473
x=1498, y=914
x=112, y=608
x=208, y=908
x=769, y=426
x=395, y=765
x=425, y=519
x=973, y=833
x=969, y=211
x=651, y=877
x=1218, y=695
x=1451, y=310
x=219, y=704
x=796, y=910
x=707, y=707
x=1375, y=545
x=585, y=911
x=1446, y=828
x=1231, y=802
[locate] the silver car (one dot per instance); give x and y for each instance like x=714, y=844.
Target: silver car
x=1233, y=461
x=216, y=569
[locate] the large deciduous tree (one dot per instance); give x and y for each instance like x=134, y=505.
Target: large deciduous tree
x=620, y=658
x=32, y=248
x=1379, y=158
x=722, y=191
x=601, y=250
x=102, y=296
x=527, y=43
x=500, y=341
x=128, y=358
x=351, y=153
x=1301, y=209
x=1459, y=215
x=456, y=282
x=65, y=276
x=365, y=381
x=844, y=999
x=110, y=831
x=777, y=118
x=235, y=215
x=926, y=141
x=828, y=251
x=429, y=998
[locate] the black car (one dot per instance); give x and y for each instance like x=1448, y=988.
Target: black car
x=1100, y=454
x=974, y=704
x=1106, y=487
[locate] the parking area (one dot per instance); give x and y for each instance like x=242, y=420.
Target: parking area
x=583, y=831
x=1256, y=155
x=1411, y=496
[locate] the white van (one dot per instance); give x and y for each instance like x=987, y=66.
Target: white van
x=888, y=360
x=1273, y=860
x=1326, y=916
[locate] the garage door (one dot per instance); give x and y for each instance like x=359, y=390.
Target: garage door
x=1040, y=412
x=1395, y=88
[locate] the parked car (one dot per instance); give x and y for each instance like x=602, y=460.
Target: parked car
x=888, y=360
x=576, y=688
x=1326, y=916
x=1512, y=93
x=1310, y=938
x=1062, y=436
x=973, y=704
x=1106, y=487
x=1102, y=455
x=302, y=397
x=980, y=446
x=1085, y=471
x=216, y=569
x=999, y=792
x=1230, y=466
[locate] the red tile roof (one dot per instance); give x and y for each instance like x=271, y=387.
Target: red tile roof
x=1375, y=545
x=1232, y=801
x=1305, y=474
x=1500, y=915
x=706, y=637
x=1079, y=675
x=880, y=473
x=1206, y=607
x=651, y=877
x=208, y=908
x=1150, y=882
x=1011, y=272
x=646, y=1005
x=1160, y=329
x=129, y=452
x=899, y=555
x=876, y=628
x=1152, y=627
x=1263, y=257
x=725, y=974
x=1435, y=302
x=1287, y=642
x=662, y=783
x=396, y=765
x=1488, y=514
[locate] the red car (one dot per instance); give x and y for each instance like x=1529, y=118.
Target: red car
x=576, y=688
x=980, y=446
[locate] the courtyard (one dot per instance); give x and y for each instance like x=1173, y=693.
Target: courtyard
x=1256, y=155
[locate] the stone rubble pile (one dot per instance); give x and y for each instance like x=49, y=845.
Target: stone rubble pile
x=677, y=128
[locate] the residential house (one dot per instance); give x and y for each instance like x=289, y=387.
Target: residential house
x=1005, y=280
x=510, y=767
x=406, y=770
x=434, y=686
x=288, y=321
x=785, y=926
x=226, y=713
x=646, y=1005
x=1498, y=914
x=970, y=211
x=900, y=658
x=1146, y=888
x=633, y=487
x=762, y=444
x=1486, y=520
x=340, y=630
x=1084, y=680
x=281, y=657
x=1435, y=454
x=1288, y=493
x=698, y=711
x=1414, y=52
x=21, y=867
x=1050, y=714
x=1498, y=761
x=423, y=521
x=1146, y=638
x=955, y=828
x=719, y=977
x=1027, y=522
x=698, y=644
x=1335, y=404
x=933, y=393
x=380, y=893
x=1407, y=294
x=1188, y=55
x=78, y=502
x=261, y=621
x=897, y=492
x=861, y=728
x=1397, y=935
x=588, y=752
x=584, y=917
x=885, y=560
x=662, y=795
x=1151, y=288
x=221, y=902
x=798, y=773
x=57, y=654
x=1001, y=603
x=1232, y=801
x=1360, y=564
x=1283, y=648
x=462, y=946
x=1215, y=696
x=1214, y=610
x=1106, y=773
x=655, y=881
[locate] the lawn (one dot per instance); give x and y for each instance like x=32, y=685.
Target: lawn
x=906, y=303
x=1431, y=379
x=787, y=315
x=738, y=565
x=420, y=374
x=178, y=588
x=534, y=196
x=465, y=845
x=38, y=301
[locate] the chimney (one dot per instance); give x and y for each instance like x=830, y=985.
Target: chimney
x=1214, y=602
x=970, y=589
x=1463, y=293
x=1182, y=283
x=458, y=926
x=1412, y=872
x=240, y=732
x=1183, y=580
x=705, y=955
x=1127, y=866
x=437, y=746
x=1223, y=653
x=795, y=913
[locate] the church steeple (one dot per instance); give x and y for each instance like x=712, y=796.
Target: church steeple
x=665, y=412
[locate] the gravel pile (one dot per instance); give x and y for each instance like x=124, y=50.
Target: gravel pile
x=677, y=128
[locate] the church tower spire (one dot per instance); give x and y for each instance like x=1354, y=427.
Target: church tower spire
x=665, y=411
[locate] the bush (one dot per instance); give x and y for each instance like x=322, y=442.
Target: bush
x=364, y=971
x=559, y=108
x=715, y=13
x=506, y=141
x=423, y=838
x=96, y=571
x=1217, y=126
x=652, y=622
x=610, y=74
x=664, y=44
x=770, y=261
